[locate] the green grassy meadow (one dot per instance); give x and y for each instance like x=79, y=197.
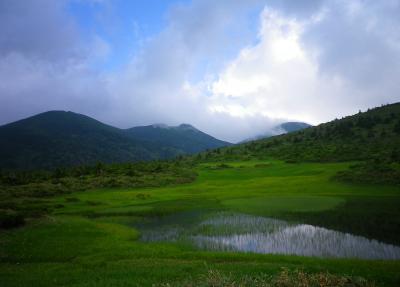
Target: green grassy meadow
x=92, y=237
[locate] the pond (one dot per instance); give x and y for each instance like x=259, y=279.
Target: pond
x=247, y=233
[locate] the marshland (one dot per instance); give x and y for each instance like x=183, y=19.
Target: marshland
x=239, y=218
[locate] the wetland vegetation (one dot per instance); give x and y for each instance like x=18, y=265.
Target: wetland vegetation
x=98, y=235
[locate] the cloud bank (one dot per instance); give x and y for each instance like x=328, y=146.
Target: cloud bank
x=306, y=60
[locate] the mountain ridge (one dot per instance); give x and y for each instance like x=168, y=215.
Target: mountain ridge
x=64, y=138
x=183, y=136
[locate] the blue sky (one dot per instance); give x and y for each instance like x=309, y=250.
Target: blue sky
x=232, y=68
x=126, y=25
x=123, y=24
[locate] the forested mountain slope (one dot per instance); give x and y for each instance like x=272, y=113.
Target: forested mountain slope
x=372, y=137
x=59, y=139
x=183, y=137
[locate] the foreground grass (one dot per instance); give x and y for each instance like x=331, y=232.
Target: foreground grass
x=285, y=278
x=90, y=239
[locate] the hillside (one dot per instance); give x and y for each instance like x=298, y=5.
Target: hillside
x=372, y=136
x=58, y=138
x=183, y=137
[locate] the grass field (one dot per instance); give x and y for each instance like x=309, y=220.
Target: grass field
x=92, y=237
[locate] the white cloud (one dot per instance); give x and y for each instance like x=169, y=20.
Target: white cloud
x=313, y=69
x=270, y=78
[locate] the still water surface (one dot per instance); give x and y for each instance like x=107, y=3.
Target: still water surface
x=246, y=233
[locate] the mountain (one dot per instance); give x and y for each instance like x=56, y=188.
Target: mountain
x=58, y=138
x=183, y=137
x=373, y=135
x=283, y=128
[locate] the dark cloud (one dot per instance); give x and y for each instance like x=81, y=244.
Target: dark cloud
x=44, y=63
x=39, y=29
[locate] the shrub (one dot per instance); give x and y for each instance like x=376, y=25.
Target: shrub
x=10, y=219
x=72, y=199
x=142, y=196
x=223, y=165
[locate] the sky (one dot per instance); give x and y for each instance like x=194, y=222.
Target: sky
x=231, y=68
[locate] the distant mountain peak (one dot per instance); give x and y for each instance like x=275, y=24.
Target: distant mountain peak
x=294, y=126
x=180, y=127
x=283, y=128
